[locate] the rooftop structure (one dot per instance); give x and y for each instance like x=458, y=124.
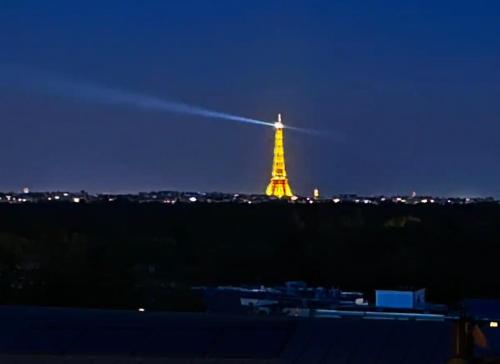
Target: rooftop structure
x=400, y=299
x=277, y=300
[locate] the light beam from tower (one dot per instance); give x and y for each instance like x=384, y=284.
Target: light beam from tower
x=279, y=186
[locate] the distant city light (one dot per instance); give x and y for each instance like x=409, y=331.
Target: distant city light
x=26, y=190
x=494, y=324
x=140, y=309
x=207, y=198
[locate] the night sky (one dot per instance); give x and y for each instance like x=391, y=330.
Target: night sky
x=412, y=88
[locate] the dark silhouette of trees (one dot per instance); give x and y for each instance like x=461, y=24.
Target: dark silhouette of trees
x=131, y=255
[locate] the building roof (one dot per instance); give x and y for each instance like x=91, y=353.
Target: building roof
x=482, y=309
x=75, y=333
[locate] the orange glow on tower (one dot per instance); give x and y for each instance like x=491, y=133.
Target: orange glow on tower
x=279, y=186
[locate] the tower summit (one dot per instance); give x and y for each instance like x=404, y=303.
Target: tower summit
x=278, y=186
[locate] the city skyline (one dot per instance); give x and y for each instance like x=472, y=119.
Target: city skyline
x=411, y=88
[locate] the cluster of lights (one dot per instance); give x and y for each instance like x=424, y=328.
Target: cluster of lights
x=402, y=200
x=58, y=198
x=425, y=200
x=414, y=199
x=13, y=199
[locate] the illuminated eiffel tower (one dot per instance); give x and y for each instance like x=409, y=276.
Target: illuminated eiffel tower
x=279, y=186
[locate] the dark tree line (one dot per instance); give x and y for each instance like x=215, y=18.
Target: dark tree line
x=128, y=255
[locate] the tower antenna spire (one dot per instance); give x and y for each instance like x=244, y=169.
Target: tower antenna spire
x=279, y=186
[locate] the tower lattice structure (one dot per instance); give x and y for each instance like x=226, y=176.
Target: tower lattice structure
x=279, y=186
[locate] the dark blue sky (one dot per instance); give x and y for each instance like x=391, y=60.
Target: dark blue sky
x=413, y=86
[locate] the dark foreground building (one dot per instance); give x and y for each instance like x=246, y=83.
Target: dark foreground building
x=54, y=335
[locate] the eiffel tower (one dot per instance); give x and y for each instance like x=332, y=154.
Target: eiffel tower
x=279, y=186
